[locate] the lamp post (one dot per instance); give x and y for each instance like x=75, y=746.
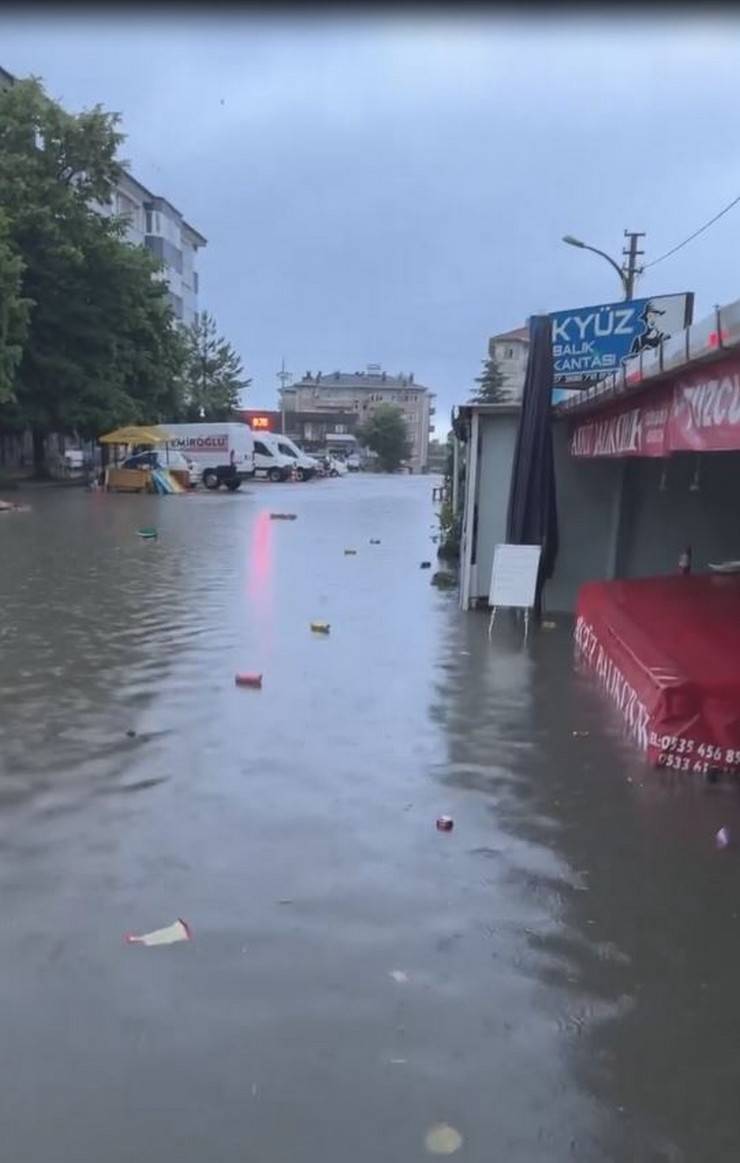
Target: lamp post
x=285, y=377
x=630, y=271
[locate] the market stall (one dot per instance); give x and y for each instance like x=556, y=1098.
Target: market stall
x=662, y=638
x=146, y=478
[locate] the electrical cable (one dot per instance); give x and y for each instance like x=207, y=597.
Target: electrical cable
x=691, y=237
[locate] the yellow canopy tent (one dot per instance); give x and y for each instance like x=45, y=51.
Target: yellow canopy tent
x=132, y=434
x=132, y=479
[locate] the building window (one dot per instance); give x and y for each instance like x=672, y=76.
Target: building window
x=195, y=281
x=510, y=353
x=153, y=223
x=340, y=429
x=126, y=207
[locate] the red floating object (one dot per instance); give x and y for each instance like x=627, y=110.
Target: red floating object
x=445, y=823
x=253, y=680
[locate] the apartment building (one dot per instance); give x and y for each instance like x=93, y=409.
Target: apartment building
x=360, y=393
x=155, y=223
x=510, y=350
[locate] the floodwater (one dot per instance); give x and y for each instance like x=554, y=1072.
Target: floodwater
x=555, y=978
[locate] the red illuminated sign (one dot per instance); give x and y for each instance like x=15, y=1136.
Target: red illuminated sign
x=261, y=422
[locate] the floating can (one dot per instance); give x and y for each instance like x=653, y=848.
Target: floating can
x=247, y=679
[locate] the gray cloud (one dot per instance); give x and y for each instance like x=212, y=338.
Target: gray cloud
x=395, y=189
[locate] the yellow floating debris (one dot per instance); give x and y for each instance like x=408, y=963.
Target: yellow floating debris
x=320, y=627
x=443, y=1139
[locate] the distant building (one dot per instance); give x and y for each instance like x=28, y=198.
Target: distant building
x=154, y=222
x=438, y=456
x=510, y=350
x=358, y=394
x=313, y=431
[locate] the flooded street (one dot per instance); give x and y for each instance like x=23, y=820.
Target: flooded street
x=555, y=978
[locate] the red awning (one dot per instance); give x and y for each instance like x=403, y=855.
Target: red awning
x=699, y=412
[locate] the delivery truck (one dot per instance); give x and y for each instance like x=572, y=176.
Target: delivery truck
x=222, y=453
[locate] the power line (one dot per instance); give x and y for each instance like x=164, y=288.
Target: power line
x=696, y=234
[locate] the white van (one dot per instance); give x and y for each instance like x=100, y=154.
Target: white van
x=269, y=461
x=222, y=453
x=305, y=466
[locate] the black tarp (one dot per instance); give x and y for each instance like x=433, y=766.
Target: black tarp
x=532, y=516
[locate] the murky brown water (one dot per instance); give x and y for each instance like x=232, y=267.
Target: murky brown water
x=571, y=948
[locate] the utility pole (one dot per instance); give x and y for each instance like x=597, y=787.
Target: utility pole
x=630, y=268
x=285, y=377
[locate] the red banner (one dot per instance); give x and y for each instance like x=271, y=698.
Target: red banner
x=705, y=410
x=698, y=413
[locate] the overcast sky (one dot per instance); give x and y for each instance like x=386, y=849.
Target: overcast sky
x=394, y=190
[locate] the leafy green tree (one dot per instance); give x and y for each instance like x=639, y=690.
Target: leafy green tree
x=385, y=433
x=214, y=377
x=101, y=346
x=490, y=382
x=14, y=311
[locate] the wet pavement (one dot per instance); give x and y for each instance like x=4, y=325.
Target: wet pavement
x=555, y=978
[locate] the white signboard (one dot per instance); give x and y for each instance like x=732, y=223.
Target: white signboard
x=514, y=576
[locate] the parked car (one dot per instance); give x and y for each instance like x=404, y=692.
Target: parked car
x=270, y=462
x=222, y=453
x=164, y=458
x=353, y=462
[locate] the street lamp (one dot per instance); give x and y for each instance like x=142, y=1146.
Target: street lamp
x=626, y=278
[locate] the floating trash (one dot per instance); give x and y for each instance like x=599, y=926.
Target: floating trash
x=445, y=823
x=442, y=1139
x=320, y=627
x=350, y=553
x=11, y=507
x=130, y=734
x=722, y=839
x=179, y=930
x=580, y=734
x=375, y=541
x=548, y=625
x=247, y=679
x=425, y=565
x=283, y=516
x=399, y=976
x=147, y=533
